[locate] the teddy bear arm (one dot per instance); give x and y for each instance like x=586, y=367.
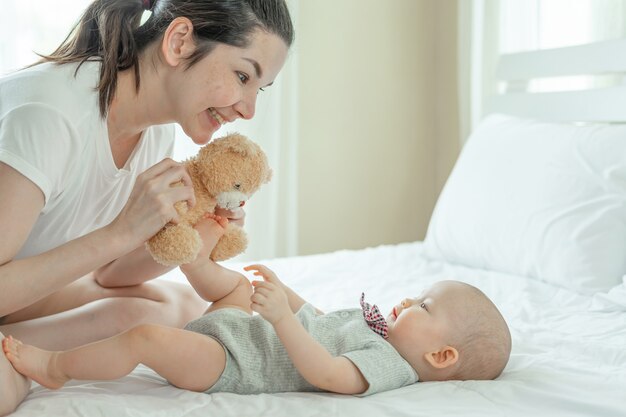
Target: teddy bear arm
x=233, y=242
x=175, y=245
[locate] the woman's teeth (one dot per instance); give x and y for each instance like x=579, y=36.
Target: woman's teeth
x=216, y=116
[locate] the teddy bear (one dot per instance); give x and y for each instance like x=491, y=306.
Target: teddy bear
x=225, y=173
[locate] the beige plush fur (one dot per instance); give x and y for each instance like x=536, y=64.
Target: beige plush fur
x=225, y=173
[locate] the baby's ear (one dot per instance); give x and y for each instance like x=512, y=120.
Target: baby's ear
x=442, y=358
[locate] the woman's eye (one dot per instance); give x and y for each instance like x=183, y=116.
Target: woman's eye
x=243, y=77
x=423, y=305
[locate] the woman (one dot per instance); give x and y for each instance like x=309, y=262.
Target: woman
x=84, y=169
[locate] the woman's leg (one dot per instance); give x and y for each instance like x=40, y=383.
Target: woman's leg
x=171, y=305
x=186, y=359
x=86, y=290
x=13, y=386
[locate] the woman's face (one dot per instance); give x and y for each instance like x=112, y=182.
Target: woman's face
x=223, y=86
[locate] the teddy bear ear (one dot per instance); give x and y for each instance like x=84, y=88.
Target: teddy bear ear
x=239, y=144
x=203, y=156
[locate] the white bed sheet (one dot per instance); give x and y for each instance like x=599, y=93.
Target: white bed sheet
x=568, y=359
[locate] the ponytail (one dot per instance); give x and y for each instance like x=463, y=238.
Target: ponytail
x=104, y=32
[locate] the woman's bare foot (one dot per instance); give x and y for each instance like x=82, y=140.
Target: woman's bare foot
x=34, y=363
x=14, y=385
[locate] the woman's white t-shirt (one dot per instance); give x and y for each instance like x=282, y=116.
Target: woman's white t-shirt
x=52, y=133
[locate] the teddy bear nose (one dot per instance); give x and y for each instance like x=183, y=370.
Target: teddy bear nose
x=242, y=204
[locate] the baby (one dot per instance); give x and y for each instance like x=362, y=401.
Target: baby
x=452, y=331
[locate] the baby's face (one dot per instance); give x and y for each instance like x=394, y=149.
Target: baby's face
x=421, y=325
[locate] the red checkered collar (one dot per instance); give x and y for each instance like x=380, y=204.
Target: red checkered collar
x=373, y=318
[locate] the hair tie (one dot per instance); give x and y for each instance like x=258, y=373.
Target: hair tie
x=147, y=4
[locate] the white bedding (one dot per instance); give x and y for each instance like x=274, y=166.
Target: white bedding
x=568, y=359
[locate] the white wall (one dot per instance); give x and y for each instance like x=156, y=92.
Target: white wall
x=375, y=79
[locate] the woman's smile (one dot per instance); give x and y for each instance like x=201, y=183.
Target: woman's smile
x=217, y=116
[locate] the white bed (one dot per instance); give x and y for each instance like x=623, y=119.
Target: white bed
x=568, y=323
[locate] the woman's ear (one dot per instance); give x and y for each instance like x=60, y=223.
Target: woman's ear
x=442, y=358
x=178, y=42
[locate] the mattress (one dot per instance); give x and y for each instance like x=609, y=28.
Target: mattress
x=568, y=357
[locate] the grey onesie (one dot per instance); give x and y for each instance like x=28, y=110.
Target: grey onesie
x=257, y=362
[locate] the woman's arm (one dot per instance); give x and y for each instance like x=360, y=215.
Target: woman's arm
x=138, y=266
x=311, y=359
x=25, y=281
x=131, y=269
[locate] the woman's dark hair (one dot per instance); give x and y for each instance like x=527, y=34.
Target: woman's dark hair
x=110, y=31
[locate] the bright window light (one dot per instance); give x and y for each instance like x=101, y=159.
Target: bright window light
x=29, y=26
x=543, y=24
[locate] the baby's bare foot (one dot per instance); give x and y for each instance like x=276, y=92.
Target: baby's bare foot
x=34, y=363
x=222, y=221
x=13, y=386
x=213, y=228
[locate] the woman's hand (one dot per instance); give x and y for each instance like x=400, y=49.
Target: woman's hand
x=269, y=298
x=151, y=203
x=236, y=216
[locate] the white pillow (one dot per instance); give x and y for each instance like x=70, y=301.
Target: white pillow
x=543, y=200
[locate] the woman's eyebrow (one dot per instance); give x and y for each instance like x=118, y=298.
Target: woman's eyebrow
x=257, y=67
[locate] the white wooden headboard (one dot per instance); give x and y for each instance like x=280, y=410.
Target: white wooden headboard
x=593, y=105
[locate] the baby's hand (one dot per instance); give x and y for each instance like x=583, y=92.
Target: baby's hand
x=269, y=299
x=265, y=272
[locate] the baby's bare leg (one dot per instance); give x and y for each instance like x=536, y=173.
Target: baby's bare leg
x=187, y=360
x=212, y=281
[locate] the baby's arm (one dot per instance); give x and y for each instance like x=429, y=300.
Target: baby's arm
x=311, y=359
x=295, y=301
x=211, y=281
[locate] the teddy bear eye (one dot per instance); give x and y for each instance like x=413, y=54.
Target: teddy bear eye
x=237, y=186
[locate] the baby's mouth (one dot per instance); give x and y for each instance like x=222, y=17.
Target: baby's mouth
x=216, y=116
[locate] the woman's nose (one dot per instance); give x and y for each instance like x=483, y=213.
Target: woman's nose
x=246, y=107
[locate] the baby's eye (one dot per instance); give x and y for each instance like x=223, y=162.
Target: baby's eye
x=423, y=305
